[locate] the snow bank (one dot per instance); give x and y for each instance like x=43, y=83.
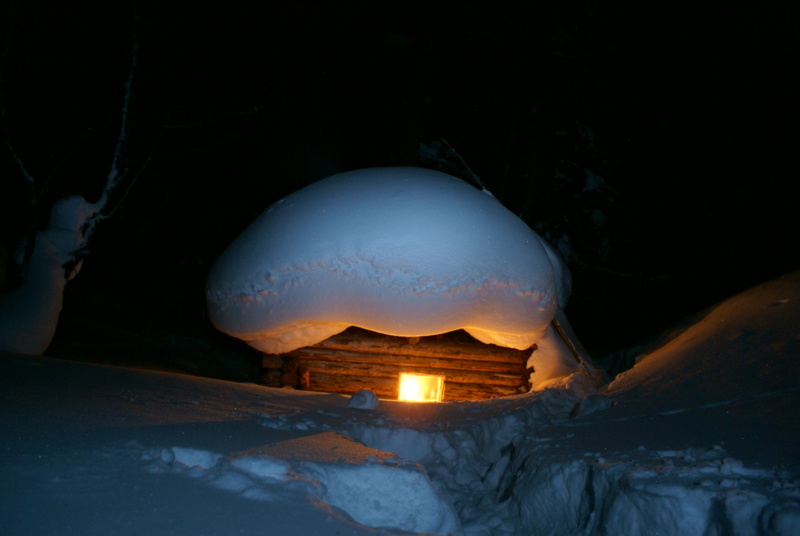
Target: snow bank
x=517, y=467
x=718, y=400
x=699, y=438
x=681, y=493
x=377, y=495
x=400, y=251
x=740, y=347
x=328, y=469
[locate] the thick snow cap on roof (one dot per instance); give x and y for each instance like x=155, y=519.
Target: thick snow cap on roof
x=401, y=251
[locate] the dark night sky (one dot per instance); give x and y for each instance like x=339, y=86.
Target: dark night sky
x=687, y=112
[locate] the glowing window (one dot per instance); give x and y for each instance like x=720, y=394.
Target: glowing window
x=421, y=387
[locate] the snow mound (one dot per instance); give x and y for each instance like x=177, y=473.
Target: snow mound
x=363, y=399
x=400, y=251
x=745, y=346
x=690, y=492
x=330, y=470
x=700, y=438
x=377, y=495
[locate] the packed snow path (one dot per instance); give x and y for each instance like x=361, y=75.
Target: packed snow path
x=700, y=437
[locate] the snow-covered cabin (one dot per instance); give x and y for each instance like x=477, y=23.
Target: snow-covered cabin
x=411, y=256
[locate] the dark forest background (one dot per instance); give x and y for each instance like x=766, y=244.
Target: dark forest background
x=653, y=143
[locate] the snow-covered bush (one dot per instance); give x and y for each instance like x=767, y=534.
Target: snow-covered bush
x=49, y=258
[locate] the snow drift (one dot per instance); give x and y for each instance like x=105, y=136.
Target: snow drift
x=374, y=488
x=400, y=251
x=699, y=438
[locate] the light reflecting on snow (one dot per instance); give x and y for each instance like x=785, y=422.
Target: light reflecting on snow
x=699, y=438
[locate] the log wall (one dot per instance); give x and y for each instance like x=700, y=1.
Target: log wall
x=360, y=359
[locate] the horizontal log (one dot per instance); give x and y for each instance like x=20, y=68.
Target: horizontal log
x=326, y=354
x=475, y=392
x=382, y=387
x=454, y=347
x=271, y=377
x=388, y=389
x=271, y=361
x=373, y=370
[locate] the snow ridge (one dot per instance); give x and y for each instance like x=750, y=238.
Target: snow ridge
x=377, y=492
x=506, y=471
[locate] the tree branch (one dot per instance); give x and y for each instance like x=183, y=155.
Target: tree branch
x=115, y=174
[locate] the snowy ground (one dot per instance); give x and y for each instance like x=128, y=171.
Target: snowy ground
x=700, y=437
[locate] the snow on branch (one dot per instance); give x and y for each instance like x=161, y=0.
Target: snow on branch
x=116, y=173
x=113, y=175
x=435, y=153
x=4, y=119
x=7, y=139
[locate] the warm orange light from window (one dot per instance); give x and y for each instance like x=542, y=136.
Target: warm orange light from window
x=421, y=387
